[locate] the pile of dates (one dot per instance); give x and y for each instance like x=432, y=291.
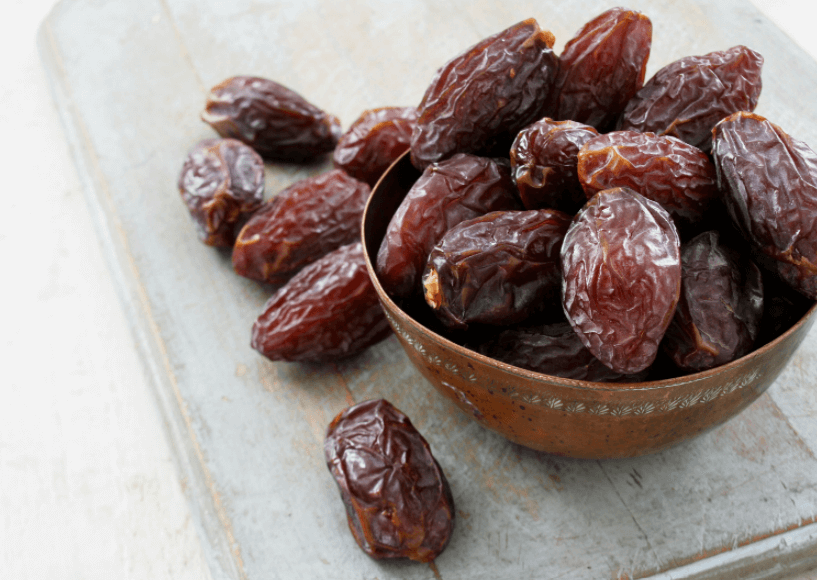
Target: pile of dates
x=570, y=218
x=575, y=220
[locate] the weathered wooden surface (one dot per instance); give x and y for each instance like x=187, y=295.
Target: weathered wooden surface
x=130, y=80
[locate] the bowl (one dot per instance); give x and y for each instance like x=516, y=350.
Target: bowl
x=564, y=416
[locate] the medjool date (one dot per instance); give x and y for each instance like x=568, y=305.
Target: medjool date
x=678, y=176
x=688, y=97
x=222, y=183
x=326, y=311
x=275, y=121
x=447, y=193
x=622, y=277
x=305, y=221
x=498, y=269
x=398, y=501
x=543, y=164
x=602, y=68
x=718, y=315
x=482, y=98
x=554, y=349
x=770, y=181
x=374, y=141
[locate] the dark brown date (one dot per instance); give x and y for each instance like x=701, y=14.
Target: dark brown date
x=770, y=183
x=326, y=311
x=222, y=183
x=554, y=349
x=374, y=141
x=499, y=269
x=678, y=176
x=688, y=97
x=272, y=119
x=479, y=100
x=543, y=164
x=602, y=68
x=718, y=315
x=447, y=193
x=622, y=277
x=307, y=220
x=398, y=501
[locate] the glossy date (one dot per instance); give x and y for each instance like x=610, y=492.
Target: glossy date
x=770, y=185
x=718, y=315
x=398, y=501
x=275, y=121
x=327, y=311
x=447, y=193
x=305, y=221
x=544, y=164
x=499, y=269
x=221, y=183
x=622, y=277
x=554, y=349
x=374, y=142
x=675, y=174
x=602, y=67
x=479, y=100
x=688, y=97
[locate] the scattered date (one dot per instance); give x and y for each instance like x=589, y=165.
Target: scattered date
x=221, y=183
x=326, y=311
x=398, y=501
x=305, y=221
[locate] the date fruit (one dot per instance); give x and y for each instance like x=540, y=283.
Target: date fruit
x=602, y=68
x=398, y=501
x=447, y=193
x=305, y=221
x=221, y=183
x=374, y=142
x=554, y=349
x=498, y=269
x=543, y=164
x=622, y=277
x=479, y=100
x=275, y=121
x=678, y=176
x=326, y=311
x=718, y=315
x=770, y=183
x=688, y=97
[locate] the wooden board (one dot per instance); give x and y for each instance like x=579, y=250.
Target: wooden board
x=130, y=80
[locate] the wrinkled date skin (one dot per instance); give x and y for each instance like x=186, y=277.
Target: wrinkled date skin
x=678, y=176
x=222, y=183
x=398, y=501
x=326, y=311
x=447, y=193
x=622, y=277
x=688, y=97
x=496, y=269
x=275, y=121
x=770, y=184
x=543, y=164
x=718, y=315
x=602, y=68
x=479, y=100
x=554, y=349
x=374, y=142
x=305, y=221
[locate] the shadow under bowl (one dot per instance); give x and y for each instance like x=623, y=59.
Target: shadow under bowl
x=563, y=416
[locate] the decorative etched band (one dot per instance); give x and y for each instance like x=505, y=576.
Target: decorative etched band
x=558, y=404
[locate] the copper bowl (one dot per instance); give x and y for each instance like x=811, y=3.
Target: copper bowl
x=563, y=416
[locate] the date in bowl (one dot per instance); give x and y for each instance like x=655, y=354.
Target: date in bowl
x=564, y=416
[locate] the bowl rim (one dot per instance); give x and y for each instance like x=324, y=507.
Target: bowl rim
x=530, y=375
